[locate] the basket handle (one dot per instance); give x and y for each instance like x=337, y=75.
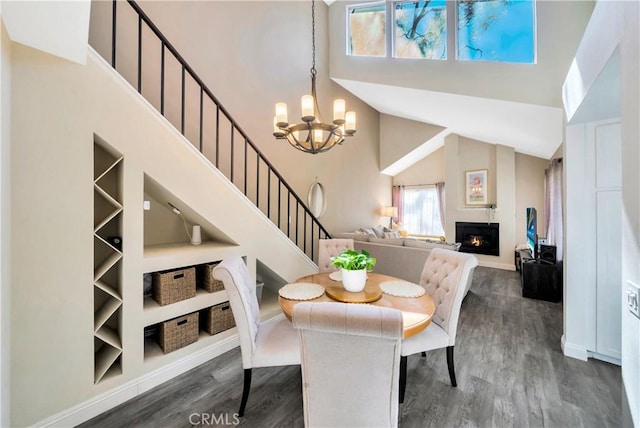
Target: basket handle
x=180, y=275
x=182, y=322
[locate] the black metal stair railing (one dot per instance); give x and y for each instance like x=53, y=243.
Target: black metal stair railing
x=136, y=44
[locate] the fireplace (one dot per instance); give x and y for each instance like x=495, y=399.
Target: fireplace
x=479, y=238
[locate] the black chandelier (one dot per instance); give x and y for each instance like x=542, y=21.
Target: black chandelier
x=313, y=135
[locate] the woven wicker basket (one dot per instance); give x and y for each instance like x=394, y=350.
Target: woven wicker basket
x=218, y=318
x=206, y=280
x=178, y=332
x=174, y=286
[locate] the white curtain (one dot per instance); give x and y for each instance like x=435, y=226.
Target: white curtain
x=553, y=206
x=421, y=210
x=440, y=191
x=397, y=201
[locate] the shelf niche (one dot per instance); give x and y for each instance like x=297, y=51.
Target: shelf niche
x=107, y=261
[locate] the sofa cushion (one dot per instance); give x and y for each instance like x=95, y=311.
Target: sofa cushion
x=392, y=234
x=387, y=241
x=361, y=236
x=415, y=243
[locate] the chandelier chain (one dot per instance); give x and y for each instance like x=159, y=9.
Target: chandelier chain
x=313, y=38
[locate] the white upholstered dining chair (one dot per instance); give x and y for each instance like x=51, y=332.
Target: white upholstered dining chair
x=328, y=248
x=447, y=277
x=350, y=364
x=272, y=343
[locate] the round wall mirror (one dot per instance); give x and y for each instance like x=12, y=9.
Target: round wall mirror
x=317, y=200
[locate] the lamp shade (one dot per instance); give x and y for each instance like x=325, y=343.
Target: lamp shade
x=390, y=211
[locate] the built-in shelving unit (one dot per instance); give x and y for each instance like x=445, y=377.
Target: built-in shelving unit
x=107, y=269
x=179, y=255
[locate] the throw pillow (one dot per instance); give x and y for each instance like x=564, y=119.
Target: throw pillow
x=369, y=231
x=379, y=231
x=392, y=234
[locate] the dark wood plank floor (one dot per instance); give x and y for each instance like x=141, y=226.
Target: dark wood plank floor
x=510, y=370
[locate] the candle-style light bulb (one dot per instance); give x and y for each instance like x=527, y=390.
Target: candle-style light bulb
x=277, y=132
x=281, y=115
x=308, y=114
x=338, y=111
x=350, y=122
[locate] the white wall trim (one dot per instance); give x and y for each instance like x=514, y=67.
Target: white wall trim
x=573, y=351
x=605, y=358
x=112, y=398
x=503, y=266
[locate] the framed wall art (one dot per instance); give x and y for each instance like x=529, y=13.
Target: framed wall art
x=476, y=187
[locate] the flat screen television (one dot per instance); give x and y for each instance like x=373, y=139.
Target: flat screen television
x=532, y=232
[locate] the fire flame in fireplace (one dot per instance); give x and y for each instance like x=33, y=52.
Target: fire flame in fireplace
x=476, y=241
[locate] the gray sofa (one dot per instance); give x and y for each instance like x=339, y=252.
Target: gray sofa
x=399, y=257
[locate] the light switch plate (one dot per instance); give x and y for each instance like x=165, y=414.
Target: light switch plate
x=147, y=205
x=633, y=298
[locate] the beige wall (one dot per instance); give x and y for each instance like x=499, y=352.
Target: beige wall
x=269, y=62
x=529, y=193
x=399, y=136
x=429, y=170
x=5, y=223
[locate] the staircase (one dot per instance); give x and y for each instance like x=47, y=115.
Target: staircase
x=162, y=76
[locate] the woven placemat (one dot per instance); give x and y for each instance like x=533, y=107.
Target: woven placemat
x=401, y=289
x=301, y=291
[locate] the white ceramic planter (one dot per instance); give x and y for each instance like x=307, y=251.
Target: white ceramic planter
x=354, y=280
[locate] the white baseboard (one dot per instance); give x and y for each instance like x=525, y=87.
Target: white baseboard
x=503, y=266
x=606, y=358
x=573, y=351
x=112, y=398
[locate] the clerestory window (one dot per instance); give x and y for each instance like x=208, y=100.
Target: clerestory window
x=486, y=30
x=420, y=29
x=496, y=30
x=367, y=30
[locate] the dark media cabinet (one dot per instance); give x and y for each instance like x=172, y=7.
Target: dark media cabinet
x=541, y=279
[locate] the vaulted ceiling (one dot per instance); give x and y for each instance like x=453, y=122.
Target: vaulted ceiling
x=517, y=105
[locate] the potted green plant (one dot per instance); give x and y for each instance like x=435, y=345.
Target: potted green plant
x=354, y=267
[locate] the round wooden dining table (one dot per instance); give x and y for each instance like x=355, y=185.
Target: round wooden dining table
x=416, y=311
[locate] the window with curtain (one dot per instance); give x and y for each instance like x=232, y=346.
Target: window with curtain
x=421, y=213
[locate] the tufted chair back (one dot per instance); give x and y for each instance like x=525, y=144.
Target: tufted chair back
x=328, y=248
x=446, y=277
x=350, y=356
x=244, y=303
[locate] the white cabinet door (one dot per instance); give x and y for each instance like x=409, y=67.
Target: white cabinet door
x=608, y=240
